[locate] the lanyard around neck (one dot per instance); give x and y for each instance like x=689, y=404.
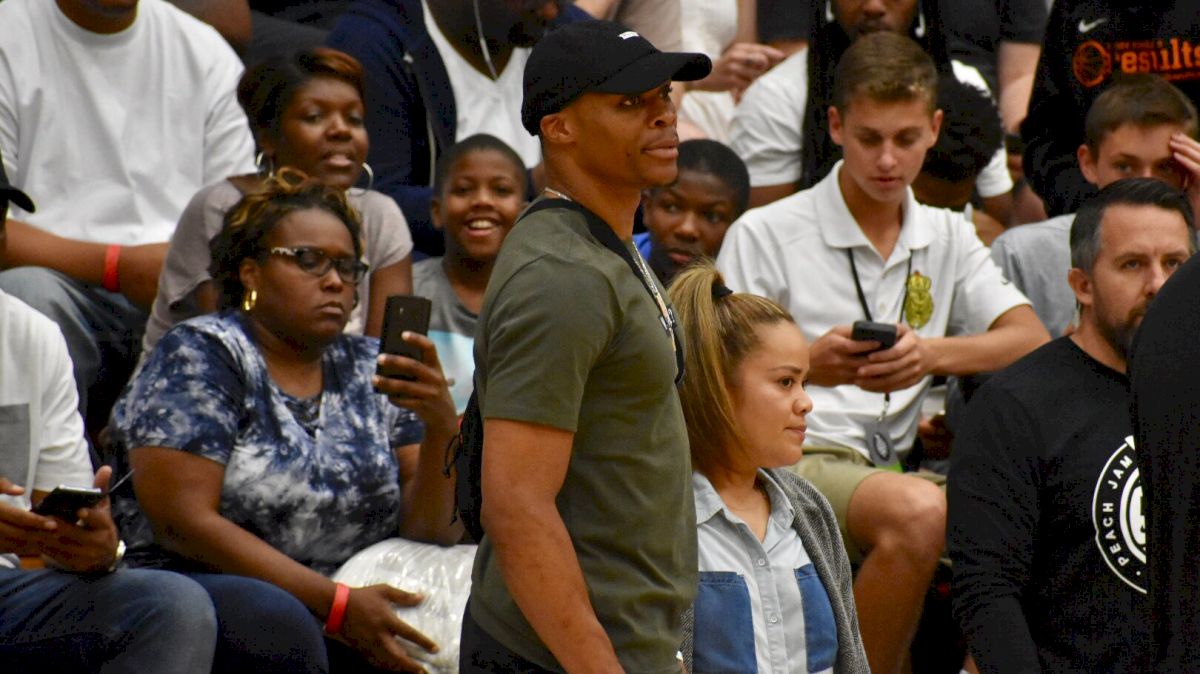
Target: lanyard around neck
x=862, y=298
x=608, y=238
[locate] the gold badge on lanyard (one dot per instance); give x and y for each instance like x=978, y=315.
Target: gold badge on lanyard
x=918, y=305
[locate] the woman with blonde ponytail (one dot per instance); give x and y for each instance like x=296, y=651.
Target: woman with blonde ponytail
x=775, y=584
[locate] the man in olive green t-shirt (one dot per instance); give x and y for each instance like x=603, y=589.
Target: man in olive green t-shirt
x=589, y=556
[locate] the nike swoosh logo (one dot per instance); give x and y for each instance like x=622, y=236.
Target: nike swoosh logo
x=1086, y=26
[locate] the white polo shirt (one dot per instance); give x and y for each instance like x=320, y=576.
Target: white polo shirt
x=767, y=130
x=794, y=251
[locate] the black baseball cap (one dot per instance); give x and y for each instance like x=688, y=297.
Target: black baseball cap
x=10, y=193
x=599, y=56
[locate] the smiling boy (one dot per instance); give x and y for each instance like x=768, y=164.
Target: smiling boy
x=857, y=246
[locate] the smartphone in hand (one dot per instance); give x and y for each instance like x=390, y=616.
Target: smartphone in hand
x=868, y=331
x=65, y=502
x=404, y=313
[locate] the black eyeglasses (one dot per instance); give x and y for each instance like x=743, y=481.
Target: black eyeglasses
x=314, y=261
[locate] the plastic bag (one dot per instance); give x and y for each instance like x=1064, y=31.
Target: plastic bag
x=442, y=574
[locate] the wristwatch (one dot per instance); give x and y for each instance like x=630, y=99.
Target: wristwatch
x=117, y=556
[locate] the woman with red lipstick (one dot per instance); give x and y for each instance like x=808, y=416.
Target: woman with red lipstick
x=306, y=112
x=775, y=583
x=265, y=444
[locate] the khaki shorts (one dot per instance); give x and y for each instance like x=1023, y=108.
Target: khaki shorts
x=837, y=472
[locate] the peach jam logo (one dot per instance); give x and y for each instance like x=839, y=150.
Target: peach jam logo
x=1175, y=59
x=1117, y=516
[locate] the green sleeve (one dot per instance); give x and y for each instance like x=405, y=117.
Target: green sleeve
x=548, y=326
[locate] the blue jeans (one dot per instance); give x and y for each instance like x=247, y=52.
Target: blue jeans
x=103, y=330
x=134, y=620
x=262, y=628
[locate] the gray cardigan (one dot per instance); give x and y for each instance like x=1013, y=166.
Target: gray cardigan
x=818, y=530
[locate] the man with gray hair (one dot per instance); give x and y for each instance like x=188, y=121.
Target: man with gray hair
x=1045, y=524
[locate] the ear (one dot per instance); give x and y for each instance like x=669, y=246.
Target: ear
x=248, y=272
x=935, y=125
x=1087, y=163
x=835, y=125
x=1081, y=285
x=435, y=212
x=558, y=127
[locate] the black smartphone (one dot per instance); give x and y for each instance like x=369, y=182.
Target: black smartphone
x=404, y=313
x=65, y=502
x=869, y=331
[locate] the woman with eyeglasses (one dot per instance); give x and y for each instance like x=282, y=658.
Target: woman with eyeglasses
x=265, y=444
x=306, y=112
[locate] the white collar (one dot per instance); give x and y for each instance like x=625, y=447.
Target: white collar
x=839, y=229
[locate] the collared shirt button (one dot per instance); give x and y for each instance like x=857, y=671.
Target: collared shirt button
x=762, y=561
x=774, y=619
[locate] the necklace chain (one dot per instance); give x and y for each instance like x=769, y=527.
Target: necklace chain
x=667, y=319
x=556, y=194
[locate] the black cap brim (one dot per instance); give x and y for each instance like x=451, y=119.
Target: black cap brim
x=16, y=196
x=654, y=70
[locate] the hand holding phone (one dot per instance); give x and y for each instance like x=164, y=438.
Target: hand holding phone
x=404, y=313
x=66, y=502
x=869, y=331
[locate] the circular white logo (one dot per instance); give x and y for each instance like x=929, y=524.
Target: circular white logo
x=1117, y=517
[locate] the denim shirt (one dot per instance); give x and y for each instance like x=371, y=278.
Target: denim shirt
x=761, y=606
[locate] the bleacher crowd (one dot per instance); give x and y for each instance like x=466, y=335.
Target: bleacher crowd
x=800, y=334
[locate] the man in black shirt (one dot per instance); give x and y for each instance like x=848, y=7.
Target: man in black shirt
x=1165, y=390
x=1045, y=519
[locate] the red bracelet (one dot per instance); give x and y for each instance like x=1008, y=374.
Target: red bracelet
x=112, y=282
x=337, y=612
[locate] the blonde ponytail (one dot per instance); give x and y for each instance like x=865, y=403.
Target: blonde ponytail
x=720, y=330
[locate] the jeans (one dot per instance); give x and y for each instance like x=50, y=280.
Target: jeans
x=103, y=330
x=479, y=652
x=134, y=620
x=262, y=628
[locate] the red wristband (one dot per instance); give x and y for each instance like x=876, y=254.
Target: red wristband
x=337, y=612
x=111, y=281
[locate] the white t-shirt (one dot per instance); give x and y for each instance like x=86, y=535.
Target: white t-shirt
x=484, y=105
x=112, y=134
x=795, y=252
x=41, y=432
x=709, y=27
x=767, y=130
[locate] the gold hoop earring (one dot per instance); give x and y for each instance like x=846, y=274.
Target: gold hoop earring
x=249, y=300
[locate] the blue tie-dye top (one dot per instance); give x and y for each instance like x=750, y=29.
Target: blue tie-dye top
x=317, y=489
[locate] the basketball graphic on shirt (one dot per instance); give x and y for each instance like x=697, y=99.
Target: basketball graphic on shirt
x=918, y=303
x=1118, y=519
x=1091, y=63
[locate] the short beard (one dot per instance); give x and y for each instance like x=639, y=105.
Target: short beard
x=1120, y=335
